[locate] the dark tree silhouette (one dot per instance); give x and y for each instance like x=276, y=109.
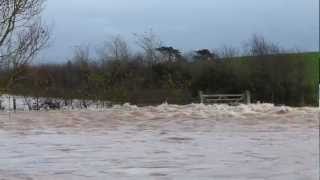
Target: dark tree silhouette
x=170, y=54
x=205, y=55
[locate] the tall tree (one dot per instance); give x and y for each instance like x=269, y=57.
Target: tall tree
x=115, y=49
x=149, y=42
x=22, y=35
x=259, y=46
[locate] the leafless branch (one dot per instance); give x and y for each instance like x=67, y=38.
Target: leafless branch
x=22, y=34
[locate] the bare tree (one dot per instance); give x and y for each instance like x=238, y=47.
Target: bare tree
x=82, y=61
x=227, y=52
x=22, y=35
x=149, y=42
x=81, y=55
x=116, y=49
x=259, y=46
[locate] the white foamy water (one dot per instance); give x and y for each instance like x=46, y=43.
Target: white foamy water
x=164, y=142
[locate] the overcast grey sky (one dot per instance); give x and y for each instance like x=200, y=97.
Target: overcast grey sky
x=185, y=24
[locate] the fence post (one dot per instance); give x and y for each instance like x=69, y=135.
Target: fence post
x=201, y=97
x=247, y=97
x=14, y=104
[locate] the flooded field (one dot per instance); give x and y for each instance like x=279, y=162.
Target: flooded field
x=166, y=142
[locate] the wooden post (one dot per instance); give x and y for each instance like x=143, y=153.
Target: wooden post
x=14, y=104
x=9, y=104
x=247, y=97
x=201, y=97
x=37, y=101
x=319, y=92
x=9, y=108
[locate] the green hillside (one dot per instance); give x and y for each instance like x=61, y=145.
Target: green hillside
x=313, y=64
x=314, y=71
x=314, y=59
x=303, y=67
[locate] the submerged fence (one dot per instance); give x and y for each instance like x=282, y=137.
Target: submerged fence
x=225, y=98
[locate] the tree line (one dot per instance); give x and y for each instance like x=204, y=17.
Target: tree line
x=163, y=73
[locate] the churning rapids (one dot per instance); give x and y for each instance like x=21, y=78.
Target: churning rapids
x=164, y=142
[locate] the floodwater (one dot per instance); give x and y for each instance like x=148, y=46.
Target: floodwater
x=166, y=142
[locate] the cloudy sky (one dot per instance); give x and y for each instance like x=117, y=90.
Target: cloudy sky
x=185, y=24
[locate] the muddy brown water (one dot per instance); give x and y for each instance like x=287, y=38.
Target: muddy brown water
x=161, y=143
